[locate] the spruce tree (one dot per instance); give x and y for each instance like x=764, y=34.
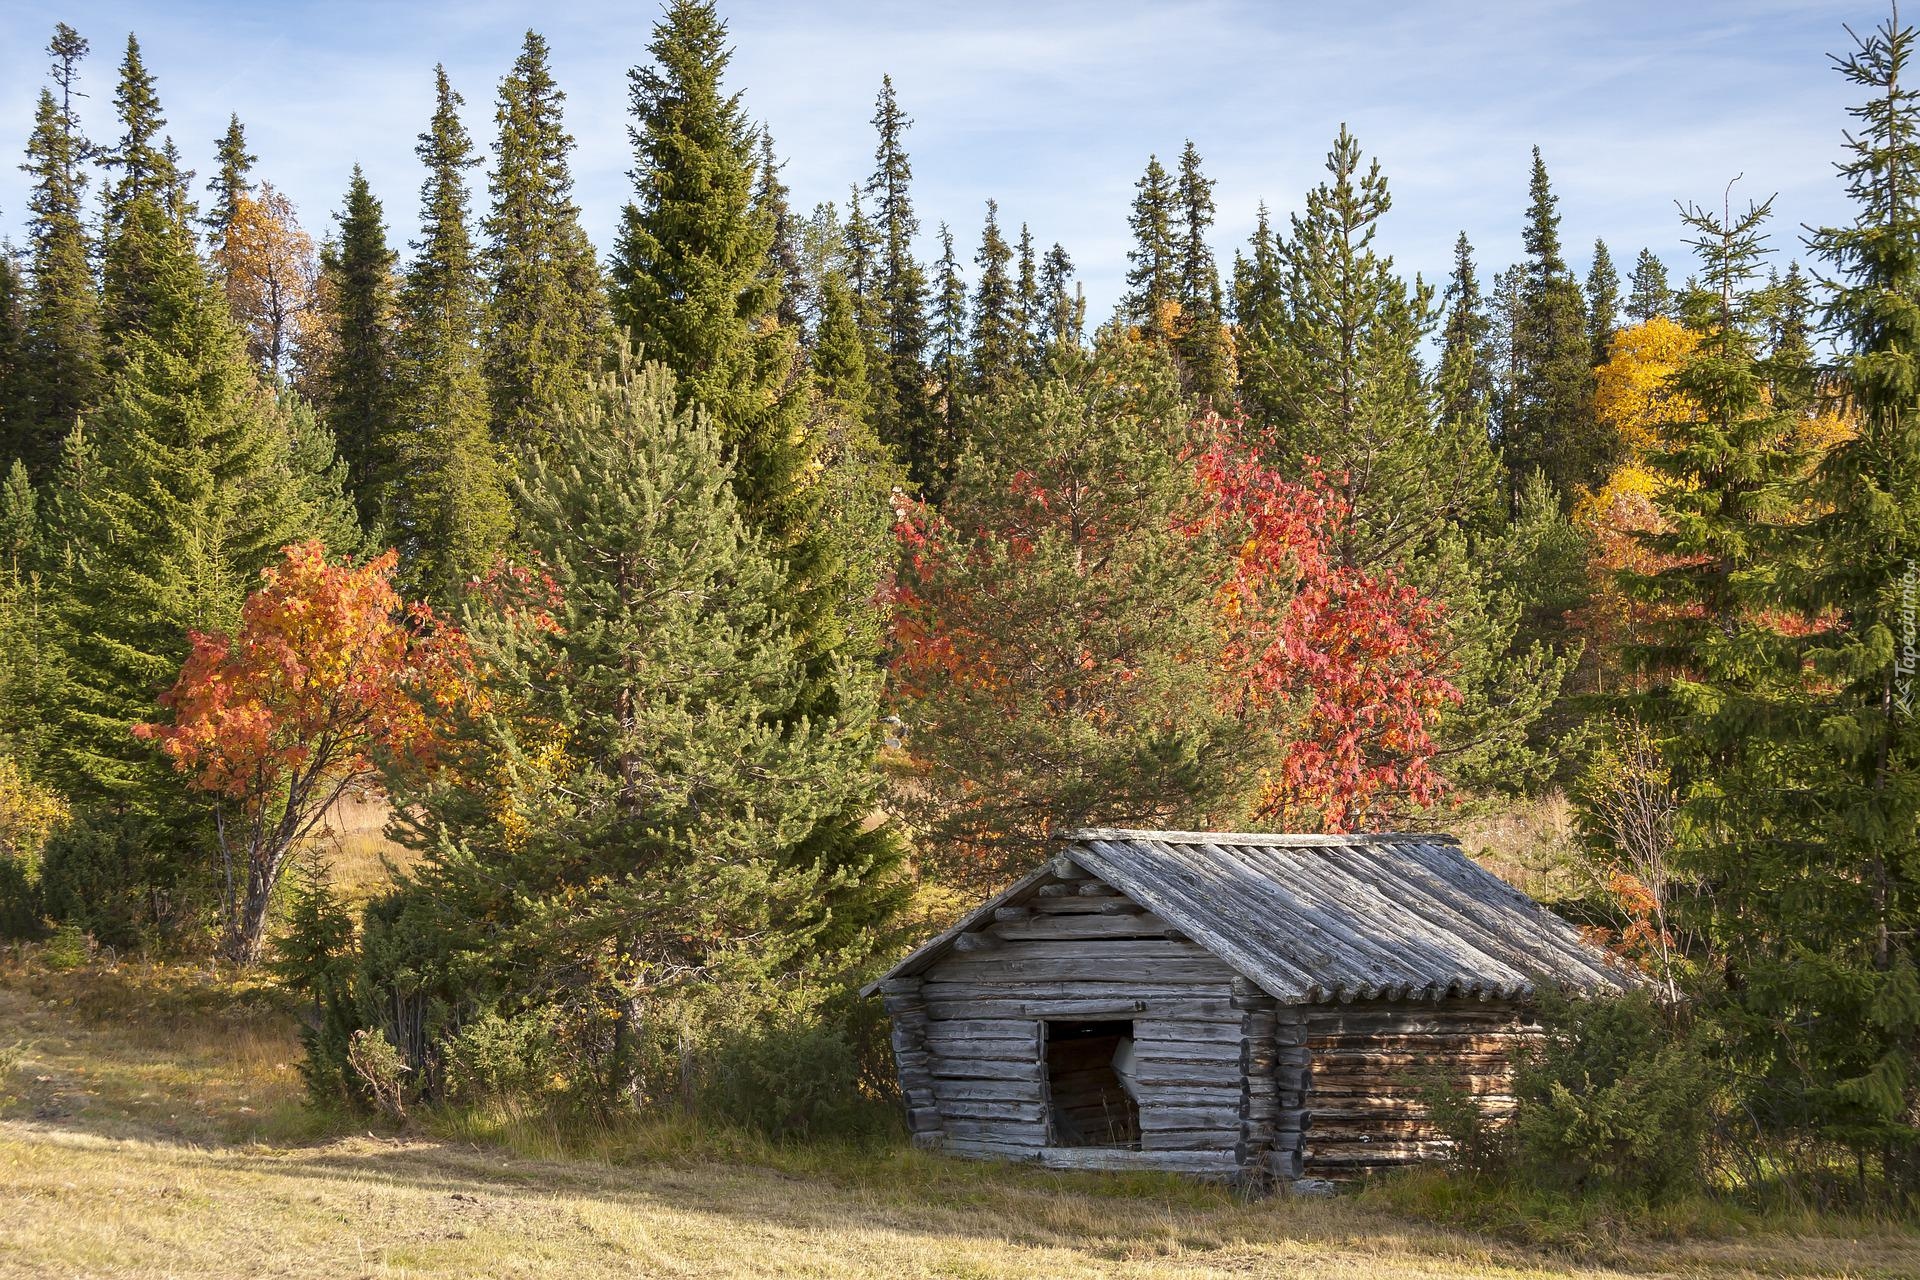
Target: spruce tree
x=61, y=342
x=158, y=528
x=839, y=356
x=1603, y=303
x=547, y=325
x=448, y=512
x=142, y=206
x=354, y=385
x=13, y=350
x=784, y=264
x=1206, y=360
x=949, y=364
x=1466, y=365
x=1551, y=425
x=692, y=285
x=1153, y=271
x=902, y=414
x=1063, y=305
x=1828, y=895
x=1647, y=293
x=229, y=186
x=994, y=341
x=1026, y=301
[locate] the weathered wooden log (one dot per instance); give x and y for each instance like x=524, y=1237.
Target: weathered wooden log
x=1173, y=1095
x=1056, y=905
x=1022, y=1049
x=1065, y=868
x=1146, y=1029
x=1192, y=1010
x=977, y=984
x=958, y=1090
x=993, y=1028
x=1217, y=1140
x=1187, y=1051
x=1028, y=1133
x=974, y=942
x=1098, y=889
x=1196, y=1162
x=1002, y=969
x=945, y=1067
x=1160, y=1117
x=993, y=1109
x=1003, y=915
x=1085, y=925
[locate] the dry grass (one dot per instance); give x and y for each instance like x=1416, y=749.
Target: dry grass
x=360, y=859
x=150, y=1126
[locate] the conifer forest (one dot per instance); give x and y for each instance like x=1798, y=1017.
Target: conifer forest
x=543, y=681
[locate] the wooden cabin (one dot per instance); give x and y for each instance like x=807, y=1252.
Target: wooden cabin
x=1255, y=1007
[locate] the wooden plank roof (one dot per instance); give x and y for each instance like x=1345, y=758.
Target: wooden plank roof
x=1312, y=918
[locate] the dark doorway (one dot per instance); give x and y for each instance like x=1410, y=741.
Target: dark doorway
x=1091, y=1107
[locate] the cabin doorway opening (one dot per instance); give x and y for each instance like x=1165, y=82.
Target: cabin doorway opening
x=1090, y=1083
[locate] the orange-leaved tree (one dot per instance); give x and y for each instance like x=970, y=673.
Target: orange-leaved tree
x=1344, y=660
x=329, y=678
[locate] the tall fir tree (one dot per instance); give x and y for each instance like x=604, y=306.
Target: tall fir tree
x=61, y=339
x=1200, y=341
x=450, y=517
x=548, y=332
x=902, y=413
x=692, y=286
x=1550, y=426
x=1603, y=303
x=354, y=381
x=995, y=341
x=1648, y=294
x=1153, y=263
x=13, y=344
x=231, y=183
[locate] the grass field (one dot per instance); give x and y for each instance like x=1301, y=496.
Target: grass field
x=151, y=1125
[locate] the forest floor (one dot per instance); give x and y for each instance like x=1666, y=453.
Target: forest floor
x=151, y=1125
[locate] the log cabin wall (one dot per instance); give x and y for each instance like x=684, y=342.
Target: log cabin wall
x=1372, y=1063
x=971, y=1036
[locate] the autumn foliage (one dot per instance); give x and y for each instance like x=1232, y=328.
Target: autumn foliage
x=328, y=678
x=1346, y=657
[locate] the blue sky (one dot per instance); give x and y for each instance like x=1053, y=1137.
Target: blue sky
x=1051, y=108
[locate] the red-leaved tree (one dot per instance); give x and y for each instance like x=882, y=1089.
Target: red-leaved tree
x=329, y=678
x=1347, y=658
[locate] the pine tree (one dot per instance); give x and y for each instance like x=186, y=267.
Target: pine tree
x=902, y=414
x=1466, y=365
x=450, y=517
x=353, y=382
x=620, y=835
x=1206, y=359
x=1153, y=273
x=1603, y=303
x=1647, y=294
x=1551, y=425
x=691, y=283
x=994, y=340
x=1337, y=372
x=547, y=325
x=949, y=364
x=229, y=186
x=61, y=342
